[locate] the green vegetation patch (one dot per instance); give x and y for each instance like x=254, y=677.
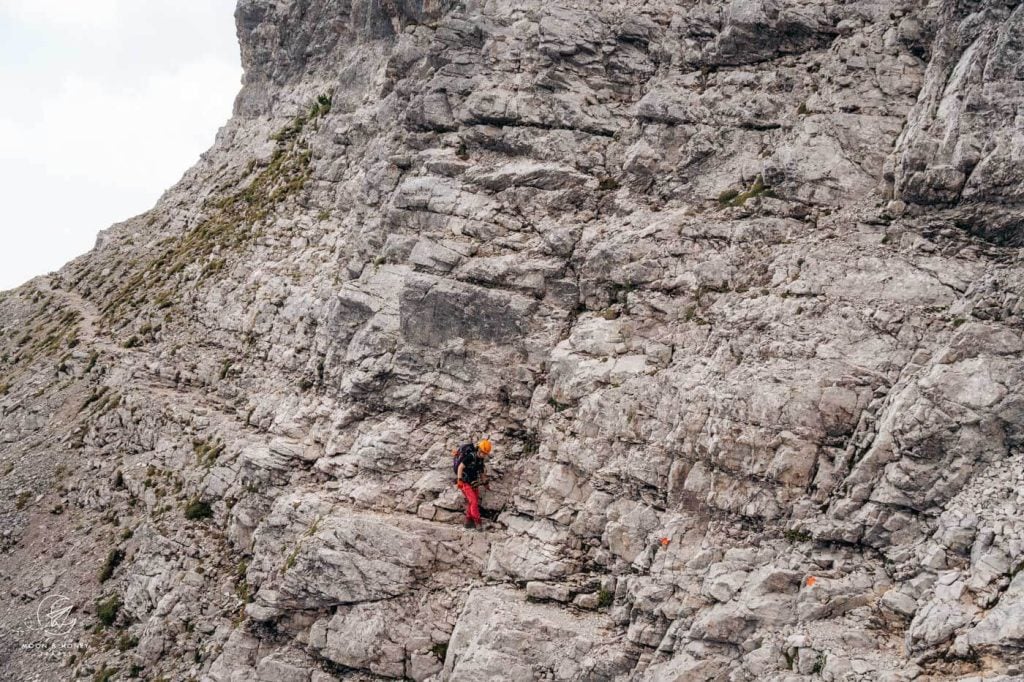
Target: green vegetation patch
x=114, y=558
x=207, y=452
x=734, y=197
x=107, y=609
x=196, y=509
x=53, y=331
x=127, y=641
x=795, y=536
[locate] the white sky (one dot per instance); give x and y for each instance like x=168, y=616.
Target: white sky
x=104, y=104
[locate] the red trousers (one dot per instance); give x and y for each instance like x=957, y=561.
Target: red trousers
x=472, y=502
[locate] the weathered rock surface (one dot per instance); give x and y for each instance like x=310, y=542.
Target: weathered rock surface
x=734, y=288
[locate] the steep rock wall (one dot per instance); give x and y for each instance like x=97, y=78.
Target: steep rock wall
x=732, y=287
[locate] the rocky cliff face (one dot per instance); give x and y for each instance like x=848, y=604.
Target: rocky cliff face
x=735, y=289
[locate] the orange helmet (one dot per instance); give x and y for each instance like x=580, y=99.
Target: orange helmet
x=484, y=446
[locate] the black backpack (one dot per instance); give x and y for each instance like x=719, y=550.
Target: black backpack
x=466, y=454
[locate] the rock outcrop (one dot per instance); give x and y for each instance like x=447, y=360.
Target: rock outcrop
x=735, y=289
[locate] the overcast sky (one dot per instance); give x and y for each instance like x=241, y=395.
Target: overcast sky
x=104, y=104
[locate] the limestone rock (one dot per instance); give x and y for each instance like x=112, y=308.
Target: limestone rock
x=500, y=635
x=733, y=288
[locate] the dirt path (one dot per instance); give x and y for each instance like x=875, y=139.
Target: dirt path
x=87, y=322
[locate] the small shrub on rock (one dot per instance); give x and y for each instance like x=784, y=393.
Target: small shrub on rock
x=106, y=609
x=114, y=558
x=197, y=509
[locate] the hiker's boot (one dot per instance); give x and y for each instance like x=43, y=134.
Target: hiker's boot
x=469, y=523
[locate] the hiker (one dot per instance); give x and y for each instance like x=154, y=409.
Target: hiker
x=470, y=475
